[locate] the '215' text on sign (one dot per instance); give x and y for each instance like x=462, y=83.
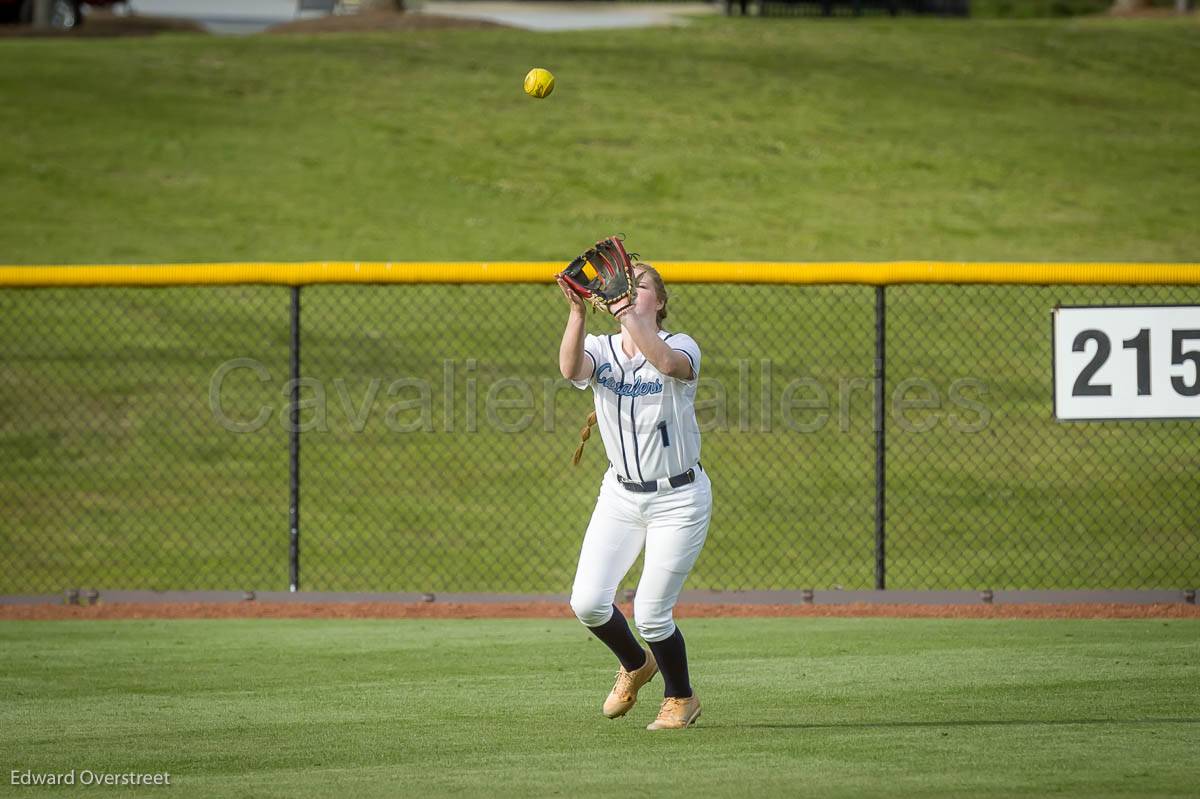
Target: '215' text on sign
x=1127, y=362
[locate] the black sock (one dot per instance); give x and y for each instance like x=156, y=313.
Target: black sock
x=617, y=636
x=671, y=655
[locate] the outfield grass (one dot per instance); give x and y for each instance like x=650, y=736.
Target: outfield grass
x=819, y=707
x=872, y=139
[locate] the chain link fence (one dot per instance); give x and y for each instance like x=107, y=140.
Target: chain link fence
x=144, y=442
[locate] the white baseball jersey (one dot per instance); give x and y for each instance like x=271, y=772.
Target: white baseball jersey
x=647, y=420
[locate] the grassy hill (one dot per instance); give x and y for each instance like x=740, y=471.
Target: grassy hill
x=731, y=139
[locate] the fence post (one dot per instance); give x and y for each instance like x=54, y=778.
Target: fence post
x=880, y=439
x=294, y=454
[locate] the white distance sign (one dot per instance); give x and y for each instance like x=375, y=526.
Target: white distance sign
x=1135, y=362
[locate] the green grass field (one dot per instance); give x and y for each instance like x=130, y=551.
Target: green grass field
x=731, y=139
x=815, y=707
x=734, y=139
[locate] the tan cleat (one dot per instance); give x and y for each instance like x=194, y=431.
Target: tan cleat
x=676, y=713
x=624, y=693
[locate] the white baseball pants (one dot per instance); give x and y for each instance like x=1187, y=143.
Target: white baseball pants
x=672, y=524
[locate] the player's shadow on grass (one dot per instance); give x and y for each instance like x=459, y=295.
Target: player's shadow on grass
x=868, y=725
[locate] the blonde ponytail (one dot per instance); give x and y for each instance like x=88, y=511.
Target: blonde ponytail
x=585, y=433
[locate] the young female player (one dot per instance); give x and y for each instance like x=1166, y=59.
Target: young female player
x=655, y=493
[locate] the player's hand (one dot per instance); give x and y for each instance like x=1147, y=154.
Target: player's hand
x=627, y=311
x=577, y=303
x=622, y=309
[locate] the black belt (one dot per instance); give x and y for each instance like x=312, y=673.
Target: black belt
x=650, y=486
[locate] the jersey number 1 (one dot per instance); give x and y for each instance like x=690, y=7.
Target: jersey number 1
x=662, y=428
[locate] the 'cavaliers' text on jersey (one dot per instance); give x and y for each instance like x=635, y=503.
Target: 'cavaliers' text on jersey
x=647, y=420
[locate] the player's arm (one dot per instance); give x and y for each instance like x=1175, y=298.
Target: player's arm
x=669, y=361
x=572, y=363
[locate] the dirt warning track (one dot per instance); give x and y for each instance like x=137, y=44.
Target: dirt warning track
x=550, y=610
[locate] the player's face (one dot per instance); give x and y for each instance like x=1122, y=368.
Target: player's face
x=647, y=298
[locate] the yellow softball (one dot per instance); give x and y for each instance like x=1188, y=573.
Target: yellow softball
x=539, y=82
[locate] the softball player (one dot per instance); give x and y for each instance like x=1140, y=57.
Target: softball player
x=655, y=493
